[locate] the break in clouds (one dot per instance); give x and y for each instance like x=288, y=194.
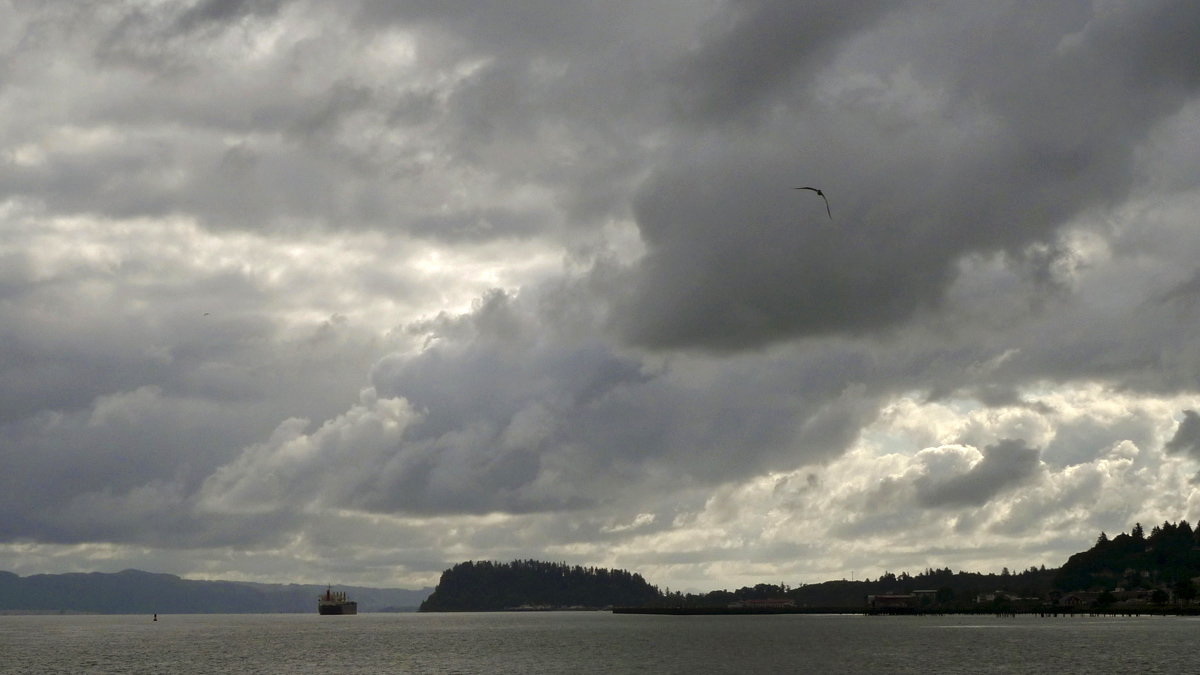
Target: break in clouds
x=294, y=290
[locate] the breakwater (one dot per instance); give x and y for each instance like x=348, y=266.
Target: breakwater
x=1053, y=612
x=700, y=611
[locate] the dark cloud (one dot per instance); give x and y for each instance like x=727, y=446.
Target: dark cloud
x=1155, y=39
x=144, y=404
x=543, y=27
x=1076, y=441
x=1186, y=440
x=209, y=12
x=1039, y=120
x=1004, y=465
x=757, y=48
x=189, y=191
x=508, y=397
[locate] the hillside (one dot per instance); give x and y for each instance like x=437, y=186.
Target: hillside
x=1169, y=555
x=137, y=592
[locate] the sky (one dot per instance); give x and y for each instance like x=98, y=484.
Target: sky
x=299, y=291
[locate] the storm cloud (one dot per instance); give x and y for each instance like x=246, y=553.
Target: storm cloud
x=1039, y=121
x=301, y=291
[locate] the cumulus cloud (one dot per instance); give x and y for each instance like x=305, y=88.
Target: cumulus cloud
x=523, y=410
x=861, y=510
x=293, y=470
x=281, y=279
x=1000, y=467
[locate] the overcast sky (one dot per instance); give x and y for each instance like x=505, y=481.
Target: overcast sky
x=310, y=291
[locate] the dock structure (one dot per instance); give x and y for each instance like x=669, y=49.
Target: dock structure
x=1041, y=612
x=736, y=611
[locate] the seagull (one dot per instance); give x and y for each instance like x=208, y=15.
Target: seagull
x=822, y=196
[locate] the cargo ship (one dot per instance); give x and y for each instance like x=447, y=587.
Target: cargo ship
x=335, y=603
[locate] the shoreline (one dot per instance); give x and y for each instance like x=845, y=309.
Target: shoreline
x=1053, y=612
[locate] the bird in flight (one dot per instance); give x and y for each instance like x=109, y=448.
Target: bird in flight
x=822, y=196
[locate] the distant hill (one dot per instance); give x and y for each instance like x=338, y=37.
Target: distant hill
x=137, y=592
x=492, y=586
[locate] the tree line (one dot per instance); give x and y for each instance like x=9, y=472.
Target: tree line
x=1162, y=563
x=951, y=589
x=1166, y=558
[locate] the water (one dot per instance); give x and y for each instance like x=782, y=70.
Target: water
x=594, y=642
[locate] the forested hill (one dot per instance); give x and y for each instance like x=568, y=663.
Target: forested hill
x=493, y=586
x=1167, y=556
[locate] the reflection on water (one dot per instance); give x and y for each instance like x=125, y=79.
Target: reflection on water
x=593, y=642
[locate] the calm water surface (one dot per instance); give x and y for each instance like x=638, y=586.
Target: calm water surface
x=594, y=642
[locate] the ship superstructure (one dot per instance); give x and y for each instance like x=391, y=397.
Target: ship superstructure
x=333, y=602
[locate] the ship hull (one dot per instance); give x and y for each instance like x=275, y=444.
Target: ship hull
x=337, y=608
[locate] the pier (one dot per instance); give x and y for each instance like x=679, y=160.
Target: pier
x=1042, y=612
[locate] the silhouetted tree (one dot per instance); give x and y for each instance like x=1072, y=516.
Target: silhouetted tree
x=1185, y=590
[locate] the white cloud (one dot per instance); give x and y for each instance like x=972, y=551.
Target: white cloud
x=293, y=470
